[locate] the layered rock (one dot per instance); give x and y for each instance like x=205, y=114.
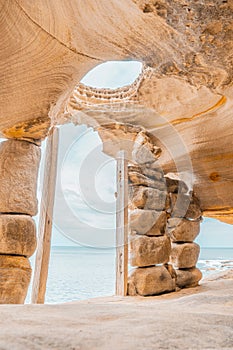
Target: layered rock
x=182, y=230
x=148, y=222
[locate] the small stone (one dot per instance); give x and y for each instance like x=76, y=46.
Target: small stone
x=182, y=230
x=150, y=281
x=175, y=184
x=144, y=151
x=140, y=179
x=152, y=173
x=19, y=164
x=182, y=205
x=188, y=277
x=147, y=198
x=194, y=210
x=17, y=235
x=147, y=251
x=149, y=222
x=184, y=255
x=156, y=174
x=179, y=204
x=15, y=274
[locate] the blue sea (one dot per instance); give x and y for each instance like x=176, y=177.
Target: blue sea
x=78, y=273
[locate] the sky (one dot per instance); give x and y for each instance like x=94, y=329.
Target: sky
x=85, y=202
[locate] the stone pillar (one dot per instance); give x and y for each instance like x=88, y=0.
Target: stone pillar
x=150, y=247
x=183, y=227
x=19, y=164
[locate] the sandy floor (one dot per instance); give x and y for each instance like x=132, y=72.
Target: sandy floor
x=198, y=318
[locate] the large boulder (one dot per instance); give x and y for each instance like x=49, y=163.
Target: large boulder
x=148, y=251
x=183, y=205
x=15, y=274
x=150, y=281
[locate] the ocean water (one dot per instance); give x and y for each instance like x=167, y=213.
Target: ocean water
x=78, y=273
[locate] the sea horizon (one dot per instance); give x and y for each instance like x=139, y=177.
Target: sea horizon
x=80, y=272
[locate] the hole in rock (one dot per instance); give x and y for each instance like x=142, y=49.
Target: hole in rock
x=113, y=74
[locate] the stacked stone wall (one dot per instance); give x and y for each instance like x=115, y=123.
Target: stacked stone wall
x=184, y=219
x=164, y=220
x=19, y=163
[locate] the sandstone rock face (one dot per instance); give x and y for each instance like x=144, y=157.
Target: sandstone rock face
x=182, y=230
x=184, y=255
x=188, y=277
x=147, y=198
x=189, y=54
x=149, y=222
x=17, y=235
x=148, y=251
x=19, y=163
x=150, y=281
x=15, y=274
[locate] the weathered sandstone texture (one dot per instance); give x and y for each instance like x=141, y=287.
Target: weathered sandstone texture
x=19, y=164
x=148, y=222
x=183, y=97
x=15, y=274
x=188, y=277
x=182, y=230
x=148, y=251
x=184, y=255
x=176, y=218
x=150, y=281
x=184, y=218
x=17, y=235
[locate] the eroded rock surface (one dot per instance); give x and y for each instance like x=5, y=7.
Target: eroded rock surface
x=147, y=251
x=15, y=272
x=184, y=255
x=17, y=235
x=184, y=98
x=150, y=281
x=19, y=164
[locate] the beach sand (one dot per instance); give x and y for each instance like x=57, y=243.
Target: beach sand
x=195, y=318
